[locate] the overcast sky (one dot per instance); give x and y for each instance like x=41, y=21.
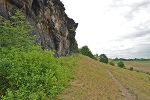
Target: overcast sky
x=117, y=28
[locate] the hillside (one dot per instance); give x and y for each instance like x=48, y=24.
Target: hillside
x=34, y=35
x=92, y=82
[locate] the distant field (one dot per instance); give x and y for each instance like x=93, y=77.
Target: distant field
x=147, y=61
x=138, y=65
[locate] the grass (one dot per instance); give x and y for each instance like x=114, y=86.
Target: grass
x=137, y=83
x=92, y=82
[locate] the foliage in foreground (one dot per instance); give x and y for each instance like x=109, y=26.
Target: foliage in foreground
x=26, y=71
x=34, y=75
x=87, y=52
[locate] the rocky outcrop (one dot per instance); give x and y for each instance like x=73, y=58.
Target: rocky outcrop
x=53, y=28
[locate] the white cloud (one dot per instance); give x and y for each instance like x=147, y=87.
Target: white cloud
x=113, y=27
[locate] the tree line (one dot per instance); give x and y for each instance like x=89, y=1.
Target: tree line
x=102, y=58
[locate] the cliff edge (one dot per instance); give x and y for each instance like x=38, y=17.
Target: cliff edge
x=53, y=28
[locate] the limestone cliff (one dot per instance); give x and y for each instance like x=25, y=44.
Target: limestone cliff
x=54, y=29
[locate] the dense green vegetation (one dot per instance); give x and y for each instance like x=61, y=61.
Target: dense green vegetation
x=87, y=52
x=26, y=71
x=103, y=58
x=16, y=33
x=121, y=64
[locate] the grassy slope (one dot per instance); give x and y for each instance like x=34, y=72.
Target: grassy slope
x=137, y=83
x=92, y=82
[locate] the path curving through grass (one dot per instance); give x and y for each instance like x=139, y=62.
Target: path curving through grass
x=91, y=82
x=127, y=95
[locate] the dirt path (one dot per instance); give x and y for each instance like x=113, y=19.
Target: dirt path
x=91, y=82
x=122, y=89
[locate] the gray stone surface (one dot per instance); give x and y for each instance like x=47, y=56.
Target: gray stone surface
x=53, y=27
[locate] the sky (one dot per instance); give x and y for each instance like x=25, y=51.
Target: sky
x=117, y=28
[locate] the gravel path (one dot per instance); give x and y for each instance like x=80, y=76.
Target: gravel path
x=122, y=89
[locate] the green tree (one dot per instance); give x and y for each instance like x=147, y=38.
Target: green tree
x=121, y=64
x=87, y=52
x=103, y=58
x=16, y=32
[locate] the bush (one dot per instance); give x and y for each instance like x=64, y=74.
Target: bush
x=131, y=68
x=87, y=52
x=121, y=64
x=103, y=58
x=26, y=71
x=35, y=75
x=111, y=63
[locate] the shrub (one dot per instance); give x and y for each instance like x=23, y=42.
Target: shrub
x=103, y=58
x=131, y=68
x=35, y=74
x=111, y=63
x=26, y=71
x=121, y=64
x=87, y=52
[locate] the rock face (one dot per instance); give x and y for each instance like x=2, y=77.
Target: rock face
x=54, y=29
